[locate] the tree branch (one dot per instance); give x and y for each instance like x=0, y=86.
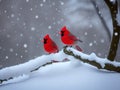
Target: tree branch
x=97, y=62
x=101, y=18
x=113, y=8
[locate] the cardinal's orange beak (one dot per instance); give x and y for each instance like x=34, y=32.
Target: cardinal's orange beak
x=59, y=32
x=42, y=40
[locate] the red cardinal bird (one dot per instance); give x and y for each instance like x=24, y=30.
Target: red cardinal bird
x=69, y=39
x=49, y=45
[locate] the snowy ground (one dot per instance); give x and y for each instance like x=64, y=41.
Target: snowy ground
x=71, y=75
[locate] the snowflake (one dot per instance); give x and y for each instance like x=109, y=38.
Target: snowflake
x=6, y=57
x=62, y=3
x=41, y=5
x=18, y=19
x=86, y=33
x=8, y=36
x=49, y=27
x=90, y=44
x=16, y=54
x=31, y=9
x=27, y=0
x=21, y=8
x=11, y=49
x=90, y=25
x=53, y=3
x=36, y=16
x=116, y=34
x=21, y=56
x=12, y=15
x=24, y=23
x=25, y=46
x=5, y=11
x=44, y=1
x=99, y=54
x=113, y=1
x=26, y=51
x=32, y=28
x=21, y=35
x=17, y=44
x=102, y=40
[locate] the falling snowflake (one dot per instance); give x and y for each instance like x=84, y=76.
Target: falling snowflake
x=25, y=46
x=44, y=1
x=32, y=28
x=21, y=56
x=90, y=25
x=8, y=36
x=21, y=35
x=16, y=54
x=116, y=34
x=90, y=44
x=18, y=19
x=49, y=27
x=6, y=57
x=17, y=44
x=102, y=40
x=5, y=11
x=41, y=5
x=36, y=16
x=11, y=49
x=62, y=3
x=12, y=15
x=99, y=54
x=86, y=34
x=31, y=9
x=27, y=0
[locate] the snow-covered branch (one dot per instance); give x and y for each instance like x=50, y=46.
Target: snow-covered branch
x=92, y=59
x=67, y=53
x=30, y=66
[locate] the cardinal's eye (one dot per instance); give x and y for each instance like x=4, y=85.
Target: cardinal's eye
x=45, y=41
x=62, y=33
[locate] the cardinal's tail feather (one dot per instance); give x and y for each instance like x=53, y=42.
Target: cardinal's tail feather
x=78, y=48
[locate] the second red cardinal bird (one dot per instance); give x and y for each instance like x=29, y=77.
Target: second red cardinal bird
x=69, y=39
x=49, y=45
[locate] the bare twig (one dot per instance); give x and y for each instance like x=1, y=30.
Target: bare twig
x=101, y=18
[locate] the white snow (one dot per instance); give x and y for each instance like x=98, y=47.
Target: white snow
x=72, y=75
x=27, y=0
x=91, y=44
x=61, y=2
x=11, y=49
x=102, y=40
x=32, y=28
x=49, y=27
x=12, y=15
x=41, y=5
x=25, y=45
x=36, y=17
x=113, y=1
x=6, y=57
x=44, y=1
x=116, y=34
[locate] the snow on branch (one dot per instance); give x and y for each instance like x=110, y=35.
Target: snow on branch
x=92, y=59
x=9, y=73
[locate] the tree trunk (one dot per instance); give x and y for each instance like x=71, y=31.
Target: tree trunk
x=113, y=7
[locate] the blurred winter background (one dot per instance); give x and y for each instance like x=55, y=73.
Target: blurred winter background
x=23, y=23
